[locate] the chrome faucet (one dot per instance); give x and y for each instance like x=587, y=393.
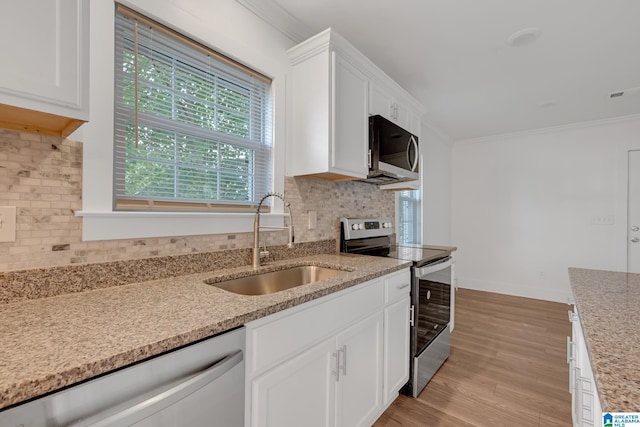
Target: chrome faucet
x=257, y=253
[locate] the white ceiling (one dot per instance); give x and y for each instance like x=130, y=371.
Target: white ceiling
x=453, y=56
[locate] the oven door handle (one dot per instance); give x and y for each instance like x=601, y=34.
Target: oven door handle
x=432, y=268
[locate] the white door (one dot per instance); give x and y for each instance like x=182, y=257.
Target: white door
x=350, y=141
x=297, y=393
x=359, y=397
x=396, y=348
x=633, y=222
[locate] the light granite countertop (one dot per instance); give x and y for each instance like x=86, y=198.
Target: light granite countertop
x=608, y=304
x=49, y=343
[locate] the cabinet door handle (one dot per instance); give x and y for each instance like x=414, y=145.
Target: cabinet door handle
x=336, y=354
x=570, y=351
x=403, y=286
x=344, y=360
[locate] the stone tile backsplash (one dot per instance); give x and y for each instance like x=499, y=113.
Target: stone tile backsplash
x=42, y=176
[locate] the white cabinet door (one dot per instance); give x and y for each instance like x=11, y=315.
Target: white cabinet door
x=380, y=101
x=585, y=402
x=383, y=101
x=45, y=57
x=396, y=348
x=298, y=392
x=359, y=398
x=402, y=115
x=329, y=110
x=350, y=124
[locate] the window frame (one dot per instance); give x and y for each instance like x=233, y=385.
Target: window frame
x=415, y=200
x=255, y=84
x=99, y=220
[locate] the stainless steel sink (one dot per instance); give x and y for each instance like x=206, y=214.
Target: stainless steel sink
x=275, y=281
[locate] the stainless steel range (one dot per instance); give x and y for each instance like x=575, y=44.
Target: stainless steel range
x=431, y=293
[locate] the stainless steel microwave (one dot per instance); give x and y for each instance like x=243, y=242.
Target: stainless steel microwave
x=393, y=152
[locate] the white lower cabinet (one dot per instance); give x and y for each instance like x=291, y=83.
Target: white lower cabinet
x=359, y=381
x=327, y=362
x=397, y=302
x=585, y=402
x=396, y=349
x=301, y=388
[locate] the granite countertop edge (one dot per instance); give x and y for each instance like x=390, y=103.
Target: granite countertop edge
x=75, y=337
x=606, y=302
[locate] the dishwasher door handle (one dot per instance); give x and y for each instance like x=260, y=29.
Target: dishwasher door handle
x=166, y=398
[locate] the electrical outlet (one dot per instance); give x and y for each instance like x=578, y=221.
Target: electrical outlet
x=7, y=223
x=313, y=220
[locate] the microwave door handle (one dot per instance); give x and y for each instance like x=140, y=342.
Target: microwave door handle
x=412, y=141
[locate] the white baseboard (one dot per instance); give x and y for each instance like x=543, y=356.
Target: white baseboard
x=557, y=295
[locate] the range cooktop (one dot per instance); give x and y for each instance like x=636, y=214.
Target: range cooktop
x=417, y=253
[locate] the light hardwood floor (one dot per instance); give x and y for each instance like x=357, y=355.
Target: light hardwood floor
x=507, y=368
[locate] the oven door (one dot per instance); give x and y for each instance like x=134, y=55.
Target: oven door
x=430, y=335
x=432, y=302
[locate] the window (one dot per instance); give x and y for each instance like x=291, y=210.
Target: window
x=409, y=217
x=192, y=127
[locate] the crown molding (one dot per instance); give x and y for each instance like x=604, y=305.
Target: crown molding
x=552, y=129
x=274, y=15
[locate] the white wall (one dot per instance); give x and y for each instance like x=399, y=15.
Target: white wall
x=436, y=186
x=523, y=206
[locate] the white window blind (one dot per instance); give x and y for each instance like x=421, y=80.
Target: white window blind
x=192, y=127
x=409, y=217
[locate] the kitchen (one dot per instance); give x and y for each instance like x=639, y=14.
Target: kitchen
x=554, y=223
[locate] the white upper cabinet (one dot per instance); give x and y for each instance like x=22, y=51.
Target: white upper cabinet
x=394, y=105
x=328, y=114
x=333, y=90
x=45, y=66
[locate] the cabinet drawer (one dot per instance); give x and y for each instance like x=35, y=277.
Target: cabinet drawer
x=287, y=333
x=397, y=286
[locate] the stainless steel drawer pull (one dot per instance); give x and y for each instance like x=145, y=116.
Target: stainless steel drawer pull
x=403, y=286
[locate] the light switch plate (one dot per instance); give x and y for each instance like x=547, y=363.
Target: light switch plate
x=7, y=223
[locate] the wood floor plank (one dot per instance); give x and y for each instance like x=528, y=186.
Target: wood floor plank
x=507, y=367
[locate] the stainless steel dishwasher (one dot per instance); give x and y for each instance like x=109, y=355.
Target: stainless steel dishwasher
x=198, y=385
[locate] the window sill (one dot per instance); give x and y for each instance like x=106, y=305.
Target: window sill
x=135, y=225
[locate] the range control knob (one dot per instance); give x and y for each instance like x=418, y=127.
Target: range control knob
x=354, y=226
x=386, y=225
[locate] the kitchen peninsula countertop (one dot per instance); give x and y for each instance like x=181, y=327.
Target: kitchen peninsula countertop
x=50, y=343
x=608, y=305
